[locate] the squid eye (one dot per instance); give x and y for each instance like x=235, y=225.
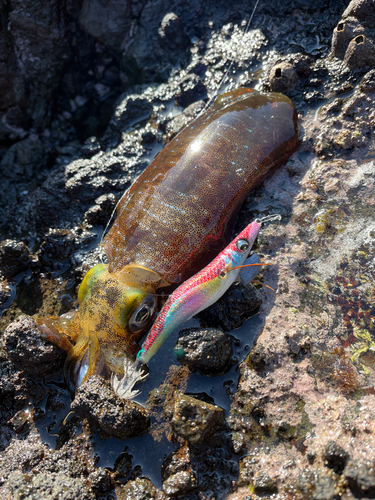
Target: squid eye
x=242, y=245
x=143, y=315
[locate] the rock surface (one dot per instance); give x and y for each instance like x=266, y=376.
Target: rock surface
x=195, y=420
x=88, y=97
x=111, y=415
x=208, y=351
x=27, y=350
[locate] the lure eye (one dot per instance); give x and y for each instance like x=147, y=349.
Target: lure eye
x=242, y=245
x=143, y=315
x=223, y=274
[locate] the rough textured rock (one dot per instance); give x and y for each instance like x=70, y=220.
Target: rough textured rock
x=208, y=350
x=42, y=485
x=309, y=380
x=108, y=22
x=26, y=348
x=195, y=420
x=15, y=257
x=233, y=309
x=139, y=489
x=335, y=457
x=283, y=78
x=111, y=415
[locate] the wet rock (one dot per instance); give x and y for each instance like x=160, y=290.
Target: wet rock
x=56, y=249
x=5, y=293
x=100, y=213
x=207, y=351
x=180, y=121
x=195, y=420
x=123, y=466
x=360, y=53
x=179, y=484
x=15, y=257
x=171, y=33
x=335, y=457
x=258, y=358
x=132, y=109
x=191, y=89
x=139, y=489
x=111, y=415
x=233, y=309
x=41, y=43
x=108, y=22
x=283, y=77
x=238, y=442
x=316, y=486
x=75, y=458
x=345, y=31
x=42, y=485
x=176, y=462
x=91, y=147
x=25, y=159
x=368, y=82
x=207, y=467
x=363, y=10
x=361, y=479
x=101, y=481
x=25, y=347
x=264, y=485
x=22, y=456
x=20, y=422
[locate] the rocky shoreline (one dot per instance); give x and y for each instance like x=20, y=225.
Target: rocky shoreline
x=91, y=92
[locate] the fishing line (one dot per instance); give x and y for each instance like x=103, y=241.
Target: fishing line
x=223, y=80
x=106, y=228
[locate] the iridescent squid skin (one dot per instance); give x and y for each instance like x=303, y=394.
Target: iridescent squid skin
x=170, y=224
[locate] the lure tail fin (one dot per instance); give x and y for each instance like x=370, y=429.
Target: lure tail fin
x=133, y=373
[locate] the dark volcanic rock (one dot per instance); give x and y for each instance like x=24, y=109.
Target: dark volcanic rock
x=335, y=457
x=108, y=21
x=100, y=213
x=15, y=257
x=24, y=159
x=195, y=420
x=208, y=351
x=191, y=90
x=179, y=484
x=171, y=33
x=111, y=415
x=233, y=309
x=264, y=485
x=28, y=351
x=40, y=37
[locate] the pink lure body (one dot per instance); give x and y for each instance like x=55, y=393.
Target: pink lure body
x=200, y=291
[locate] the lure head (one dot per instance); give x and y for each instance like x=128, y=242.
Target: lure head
x=115, y=309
